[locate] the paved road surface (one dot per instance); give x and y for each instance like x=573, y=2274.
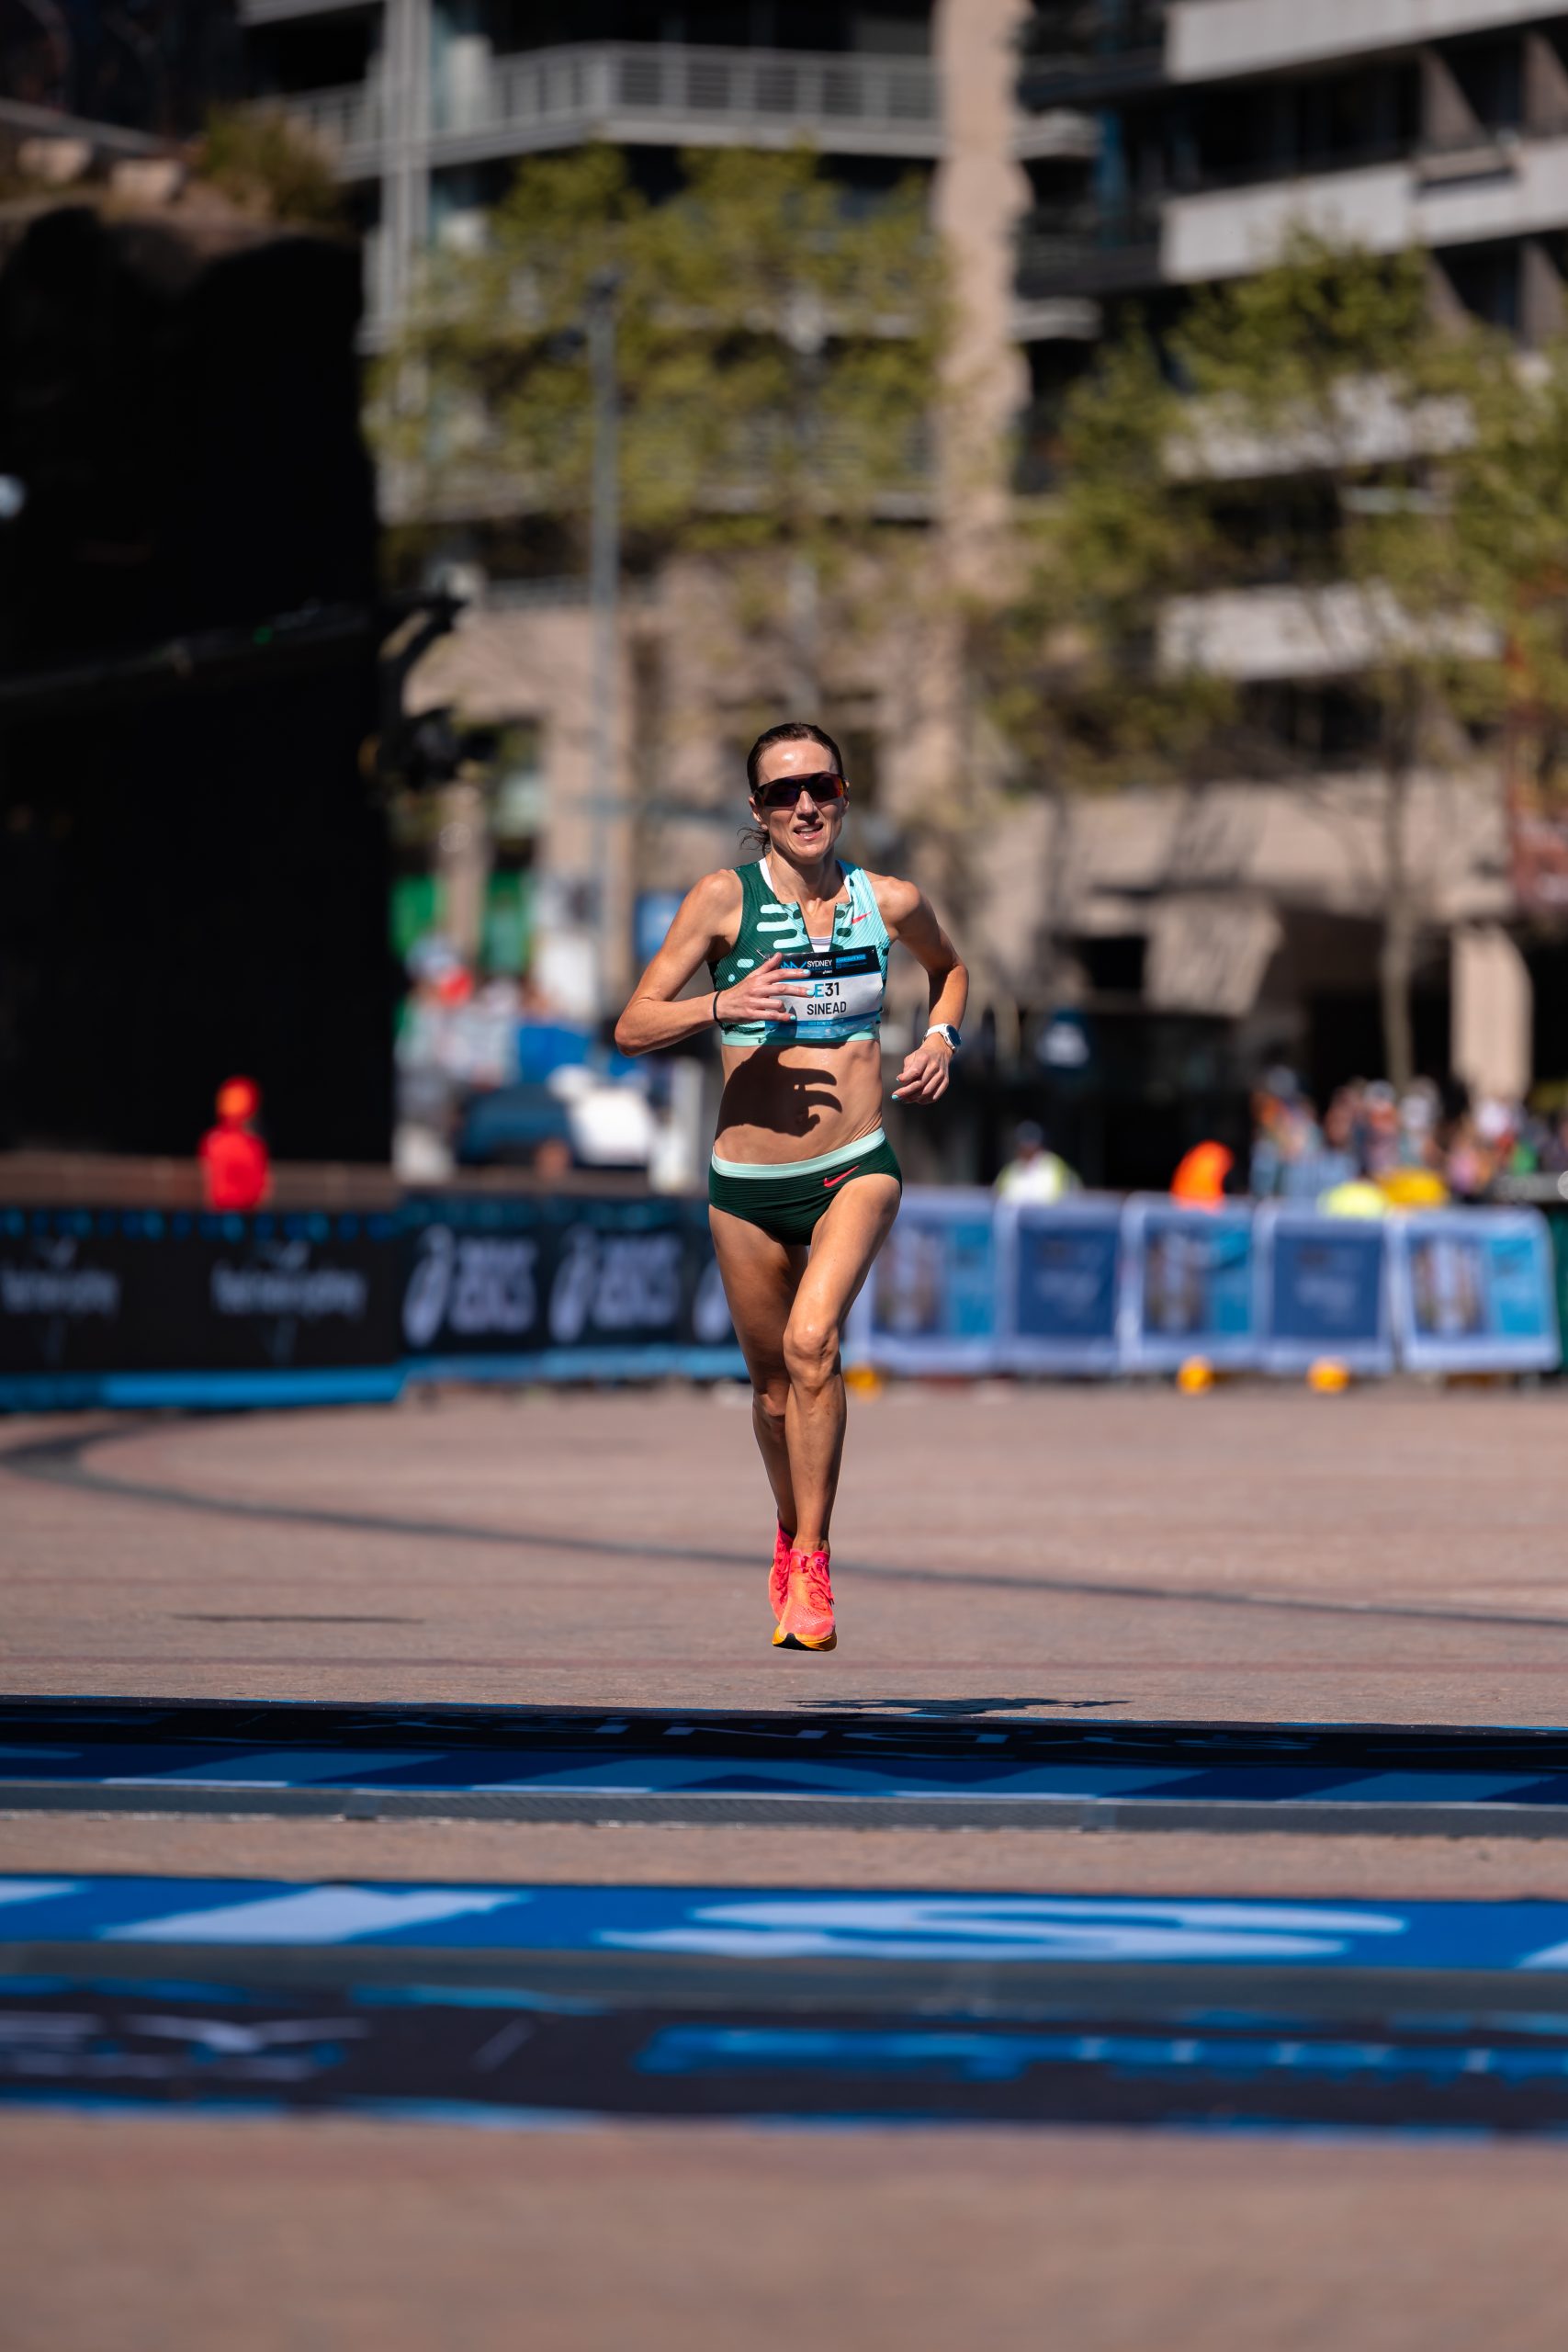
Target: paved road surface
x=1393, y=1556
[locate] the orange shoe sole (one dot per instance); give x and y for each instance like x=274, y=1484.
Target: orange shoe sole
x=785, y=1640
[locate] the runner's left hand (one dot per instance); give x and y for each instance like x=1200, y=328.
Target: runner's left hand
x=924, y=1078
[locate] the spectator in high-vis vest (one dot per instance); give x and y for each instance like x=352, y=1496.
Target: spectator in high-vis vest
x=1034, y=1173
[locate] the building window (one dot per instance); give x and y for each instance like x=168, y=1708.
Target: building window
x=1484, y=281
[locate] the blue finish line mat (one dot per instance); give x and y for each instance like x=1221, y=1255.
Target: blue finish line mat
x=941, y=1768
x=137, y=1993
x=773, y=1923
x=412, y=2054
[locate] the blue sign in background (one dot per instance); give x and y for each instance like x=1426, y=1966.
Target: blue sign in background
x=1324, y=1286
x=1187, y=1285
x=931, y=1302
x=137, y=1307
x=1474, y=1290
x=1059, y=1269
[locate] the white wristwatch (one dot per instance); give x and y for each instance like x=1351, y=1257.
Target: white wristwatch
x=947, y=1033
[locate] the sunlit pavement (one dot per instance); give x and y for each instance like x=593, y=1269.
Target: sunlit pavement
x=1391, y=1556
x=1057, y=1555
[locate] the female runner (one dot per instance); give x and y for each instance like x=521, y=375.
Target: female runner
x=803, y=1185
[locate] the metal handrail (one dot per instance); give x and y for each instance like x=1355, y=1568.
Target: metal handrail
x=769, y=87
x=342, y=118
x=671, y=84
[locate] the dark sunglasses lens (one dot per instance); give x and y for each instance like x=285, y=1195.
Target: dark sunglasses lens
x=824, y=788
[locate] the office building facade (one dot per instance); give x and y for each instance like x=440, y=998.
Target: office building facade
x=1219, y=125
x=1080, y=155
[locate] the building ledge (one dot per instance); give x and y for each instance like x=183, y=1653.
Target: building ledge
x=1062, y=131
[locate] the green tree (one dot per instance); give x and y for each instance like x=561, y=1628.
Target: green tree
x=1513, y=510
x=777, y=361
x=267, y=164
x=1315, y=423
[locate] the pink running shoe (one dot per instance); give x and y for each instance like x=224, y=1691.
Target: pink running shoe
x=808, y=1620
x=778, y=1575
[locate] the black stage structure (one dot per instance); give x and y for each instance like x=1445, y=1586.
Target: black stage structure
x=194, y=879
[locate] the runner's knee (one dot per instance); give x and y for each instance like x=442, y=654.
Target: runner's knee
x=770, y=1397
x=811, y=1350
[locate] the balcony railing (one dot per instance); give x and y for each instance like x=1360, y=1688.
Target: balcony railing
x=348, y=121
x=654, y=92
x=667, y=90
x=1068, y=245
x=1107, y=43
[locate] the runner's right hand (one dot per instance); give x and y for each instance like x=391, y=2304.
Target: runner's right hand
x=763, y=995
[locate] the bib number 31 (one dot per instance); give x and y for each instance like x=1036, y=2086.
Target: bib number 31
x=840, y=986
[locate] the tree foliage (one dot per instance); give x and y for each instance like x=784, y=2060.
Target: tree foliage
x=777, y=352
x=1316, y=428
x=265, y=163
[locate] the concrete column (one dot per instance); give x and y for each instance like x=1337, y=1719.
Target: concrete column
x=980, y=190
x=1546, y=86
x=1446, y=115
x=1542, y=312
x=1492, y=1000
x=463, y=863
x=405, y=141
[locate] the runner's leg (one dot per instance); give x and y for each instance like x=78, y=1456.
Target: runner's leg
x=760, y=1277
x=842, y=1249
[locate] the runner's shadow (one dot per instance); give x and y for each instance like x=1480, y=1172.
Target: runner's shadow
x=767, y=1092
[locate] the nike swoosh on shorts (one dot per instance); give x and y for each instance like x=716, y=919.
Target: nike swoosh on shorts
x=839, y=1177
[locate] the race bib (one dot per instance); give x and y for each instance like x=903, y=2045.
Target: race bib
x=845, y=984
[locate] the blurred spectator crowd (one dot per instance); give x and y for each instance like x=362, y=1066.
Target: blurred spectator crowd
x=1373, y=1147
x=490, y=1073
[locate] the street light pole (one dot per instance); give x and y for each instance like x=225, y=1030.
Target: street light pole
x=604, y=590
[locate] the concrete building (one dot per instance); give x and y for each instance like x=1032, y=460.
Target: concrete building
x=1079, y=153
x=428, y=106
x=1441, y=123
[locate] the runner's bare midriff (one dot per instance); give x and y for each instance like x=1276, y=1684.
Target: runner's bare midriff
x=786, y=1102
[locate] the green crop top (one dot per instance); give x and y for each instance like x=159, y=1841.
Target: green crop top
x=846, y=977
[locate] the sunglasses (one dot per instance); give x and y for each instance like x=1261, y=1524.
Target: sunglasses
x=824, y=788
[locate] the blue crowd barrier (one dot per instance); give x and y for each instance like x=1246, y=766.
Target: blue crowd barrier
x=1098, y=1285
x=1473, y=1291
x=149, y=1308
x=1322, y=1290
x=1187, y=1285
x=1059, y=1285
x=931, y=1302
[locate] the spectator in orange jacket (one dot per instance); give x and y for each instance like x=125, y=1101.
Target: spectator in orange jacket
x=236, y=1172
x=1199, y=1177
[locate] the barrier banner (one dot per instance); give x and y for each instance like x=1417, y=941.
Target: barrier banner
x=1473, y=1291
x=1058, y=1270
x=515, y=1286
x=1187, y=1285
x=930, y=1305
x=68, y=1288
x=1321, y=1290
x=152, y=1306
